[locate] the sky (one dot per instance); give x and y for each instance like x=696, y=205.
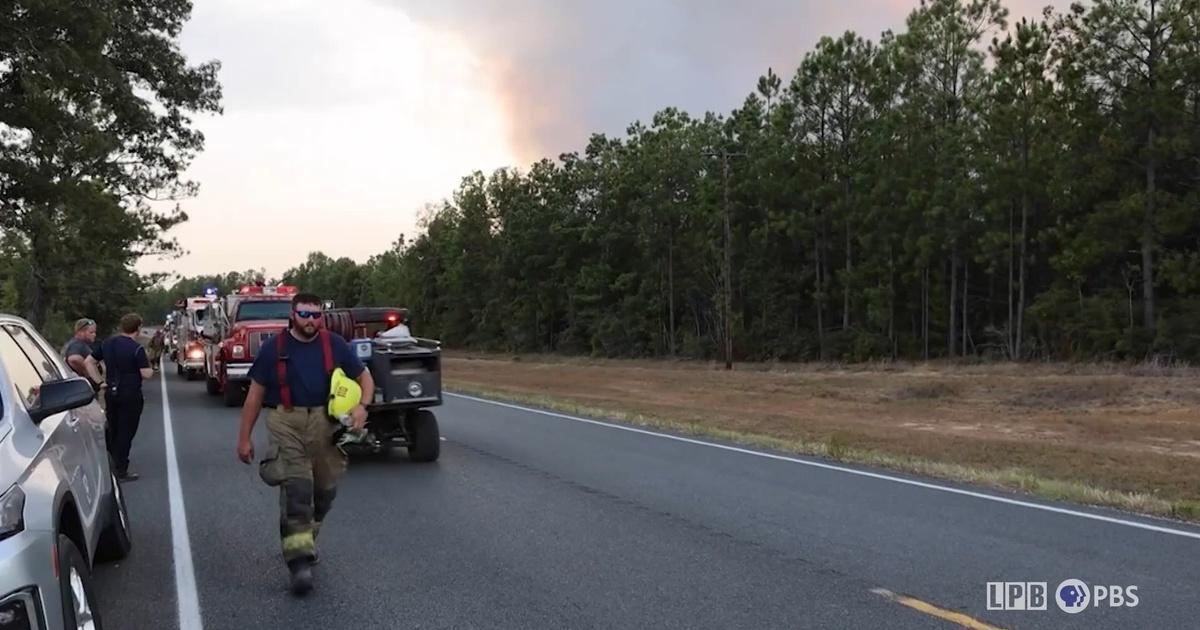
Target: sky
x=344, y=120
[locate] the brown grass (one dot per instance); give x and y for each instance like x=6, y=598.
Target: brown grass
x=1124, y=436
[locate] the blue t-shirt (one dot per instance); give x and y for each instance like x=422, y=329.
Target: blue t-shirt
x=123, y=360
x=306, y=369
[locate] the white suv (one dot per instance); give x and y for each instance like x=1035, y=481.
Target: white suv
x=61, y=508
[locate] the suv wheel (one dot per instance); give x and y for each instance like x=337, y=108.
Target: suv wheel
x=75, y=585
x=115, y=541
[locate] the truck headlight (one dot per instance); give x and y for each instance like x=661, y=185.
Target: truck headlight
x=415, y=389
x=363, y=350
x=238, y=351
x=12, y=512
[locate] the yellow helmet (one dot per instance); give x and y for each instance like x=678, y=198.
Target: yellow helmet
x=344, y=394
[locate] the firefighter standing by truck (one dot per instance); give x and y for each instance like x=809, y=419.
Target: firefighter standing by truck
x=291, y=377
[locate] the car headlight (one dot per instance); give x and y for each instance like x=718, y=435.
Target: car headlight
x=18, y=611
x=415, y=389
x=12, y=512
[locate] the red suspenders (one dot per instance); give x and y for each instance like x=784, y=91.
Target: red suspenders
x=285, y=389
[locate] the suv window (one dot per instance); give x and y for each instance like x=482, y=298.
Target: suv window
x=43, y=363
x=27, y=381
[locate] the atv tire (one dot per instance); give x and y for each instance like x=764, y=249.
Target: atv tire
x=233, y=395
x=425, y=443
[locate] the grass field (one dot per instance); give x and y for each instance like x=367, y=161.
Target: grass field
x=1126, y=437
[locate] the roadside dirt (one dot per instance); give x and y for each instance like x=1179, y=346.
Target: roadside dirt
x=1132, y=430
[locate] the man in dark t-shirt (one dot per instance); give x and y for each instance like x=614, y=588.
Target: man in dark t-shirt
x=125, y=367
x=79, y=348
x=307, y=378
x=290, y=376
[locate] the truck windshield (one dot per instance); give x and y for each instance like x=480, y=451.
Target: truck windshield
x=252, y=311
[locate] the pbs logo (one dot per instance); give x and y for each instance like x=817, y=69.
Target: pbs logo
x=1074, y=596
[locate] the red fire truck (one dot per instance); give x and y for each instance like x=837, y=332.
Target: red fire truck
x=235, y=328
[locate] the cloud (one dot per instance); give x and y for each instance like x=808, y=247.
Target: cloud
x=341, y=121
x=566, y=68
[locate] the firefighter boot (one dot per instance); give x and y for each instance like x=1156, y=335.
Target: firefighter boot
x=302, y=578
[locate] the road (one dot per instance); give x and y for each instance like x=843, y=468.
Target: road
x=537, y=520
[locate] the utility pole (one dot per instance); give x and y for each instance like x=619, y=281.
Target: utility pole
x=727, y=271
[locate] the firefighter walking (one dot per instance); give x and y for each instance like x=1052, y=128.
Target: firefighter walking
x=156, y=349
x=291, y=378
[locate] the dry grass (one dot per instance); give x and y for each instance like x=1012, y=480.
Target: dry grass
x=1123, y=436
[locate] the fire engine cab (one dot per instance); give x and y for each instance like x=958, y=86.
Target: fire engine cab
x=234, y=330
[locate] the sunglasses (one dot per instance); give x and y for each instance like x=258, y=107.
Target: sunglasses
x=308, y=314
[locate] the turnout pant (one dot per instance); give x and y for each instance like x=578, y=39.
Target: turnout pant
x=122, y=415
x=306, y=465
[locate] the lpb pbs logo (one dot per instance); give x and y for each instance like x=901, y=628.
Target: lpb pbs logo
x=1072, y=596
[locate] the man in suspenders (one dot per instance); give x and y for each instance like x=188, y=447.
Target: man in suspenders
x=290, y=377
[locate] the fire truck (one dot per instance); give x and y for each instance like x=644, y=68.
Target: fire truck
x=187, y=325
x=234, y=329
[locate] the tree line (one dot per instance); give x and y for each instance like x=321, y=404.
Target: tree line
x=965, y=187
x=95, y=128
x=961, y=187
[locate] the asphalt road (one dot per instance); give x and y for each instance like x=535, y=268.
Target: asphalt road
x=536, y=520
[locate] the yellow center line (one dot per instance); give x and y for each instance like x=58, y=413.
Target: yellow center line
x=965, y=621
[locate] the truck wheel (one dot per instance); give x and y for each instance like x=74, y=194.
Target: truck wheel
x=425, y=441
x=212, y=385
x=234, y=396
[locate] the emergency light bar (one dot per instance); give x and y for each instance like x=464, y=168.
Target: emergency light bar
x=257, y=290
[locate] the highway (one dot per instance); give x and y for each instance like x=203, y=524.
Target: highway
x=537, y=520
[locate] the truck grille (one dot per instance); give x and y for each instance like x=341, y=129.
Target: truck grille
x=256, y=339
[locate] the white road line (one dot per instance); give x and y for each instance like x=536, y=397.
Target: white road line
x=185, y=575
x=852, y=471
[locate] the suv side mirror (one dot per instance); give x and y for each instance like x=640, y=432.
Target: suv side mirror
x=59, y=396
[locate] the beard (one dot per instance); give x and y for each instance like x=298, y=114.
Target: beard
x=305, y=330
